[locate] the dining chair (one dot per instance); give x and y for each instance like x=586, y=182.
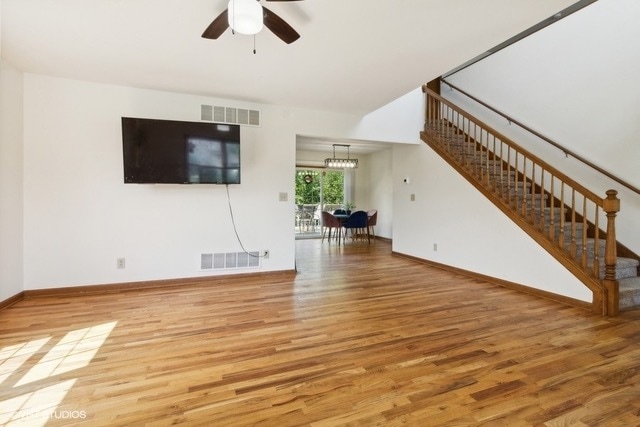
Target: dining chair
x=330, y=222
x=371, y=223
x=308, y=218
x=357, y=223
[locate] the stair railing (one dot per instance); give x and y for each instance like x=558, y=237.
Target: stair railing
x=563, y=216
x=565, y=150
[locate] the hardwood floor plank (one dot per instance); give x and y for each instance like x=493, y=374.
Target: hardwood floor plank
x=357, y=337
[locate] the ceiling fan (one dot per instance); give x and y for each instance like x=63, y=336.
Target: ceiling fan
x=248, y=17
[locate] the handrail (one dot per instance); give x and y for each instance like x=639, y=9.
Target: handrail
x=565, y=150
x=590, y=194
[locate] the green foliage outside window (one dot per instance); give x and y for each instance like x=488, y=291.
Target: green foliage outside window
x=308, y=187
x=333, y=187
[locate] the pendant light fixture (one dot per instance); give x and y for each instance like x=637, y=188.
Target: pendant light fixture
x=340, y=163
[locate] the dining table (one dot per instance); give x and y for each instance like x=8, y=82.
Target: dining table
x=342, y=217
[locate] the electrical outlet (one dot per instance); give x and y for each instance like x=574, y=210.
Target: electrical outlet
x=120, y=263
x=265, y=254
x=412, y=197
x=283, y=197
x=435, y=247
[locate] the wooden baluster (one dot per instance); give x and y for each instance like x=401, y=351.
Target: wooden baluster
x=552, y=213
x=465, y=138
x=523, y=199
x=474, y=156
x=427, y=113
x=515, y=181
x=440, y=122
x=573, y=246
x=460, y=137
x=445, y=133
x=471, y=148
x=501, y=178
x=477, y=160
x=494, y=176
x=533, y=191
x=456, y=130
x=585, y=227
x=445, y=130
x=480, y=159
x=611, y=205
x=451, y=128
x=433, y=113
x=596, y=248
x=487, y=175
x=563, y=219
x=443, y=124
x=541, y=205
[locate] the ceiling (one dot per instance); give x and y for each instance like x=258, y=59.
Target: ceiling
x=353, y=56
x=356, y=146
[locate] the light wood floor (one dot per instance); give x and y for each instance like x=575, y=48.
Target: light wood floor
x=358, y=337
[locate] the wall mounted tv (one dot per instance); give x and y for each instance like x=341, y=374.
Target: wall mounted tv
x=175, y=152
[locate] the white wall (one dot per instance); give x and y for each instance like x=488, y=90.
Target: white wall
x=79, y=216
x=11, y=224
x=380, y=190
x=576, y=82
x=395, y=122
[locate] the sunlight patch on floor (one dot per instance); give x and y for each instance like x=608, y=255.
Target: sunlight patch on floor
x=12, y=357
x=36, y=408
x=74, y=351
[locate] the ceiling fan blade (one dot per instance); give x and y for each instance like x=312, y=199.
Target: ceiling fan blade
x=217, y=27
x=280, y=28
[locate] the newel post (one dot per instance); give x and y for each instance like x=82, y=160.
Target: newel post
x=611, y=205
x=426, y=107
x=432, y=112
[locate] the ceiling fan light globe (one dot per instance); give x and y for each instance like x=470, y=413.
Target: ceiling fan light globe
x=245, y=16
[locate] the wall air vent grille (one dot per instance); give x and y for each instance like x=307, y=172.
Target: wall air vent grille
x=243, y=116
x=254, y=117
x=218, y=114
x=229, y=260
x=236, y=116
x=206, y=113
x=206, y=261
x=231, y=115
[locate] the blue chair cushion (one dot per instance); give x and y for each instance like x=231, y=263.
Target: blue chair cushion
x=357, y=219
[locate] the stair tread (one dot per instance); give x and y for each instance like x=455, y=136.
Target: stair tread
x=629, y=290
x=627, y=262
x=621, y=262
x=629, y=284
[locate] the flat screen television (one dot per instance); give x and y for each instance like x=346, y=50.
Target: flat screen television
x=175, y=152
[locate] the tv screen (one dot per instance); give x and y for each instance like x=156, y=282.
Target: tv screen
x=175, y=152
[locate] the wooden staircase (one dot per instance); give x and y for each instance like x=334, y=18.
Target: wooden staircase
x=572, y=223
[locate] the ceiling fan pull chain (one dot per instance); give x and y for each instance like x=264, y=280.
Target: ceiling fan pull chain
x=254, y=44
